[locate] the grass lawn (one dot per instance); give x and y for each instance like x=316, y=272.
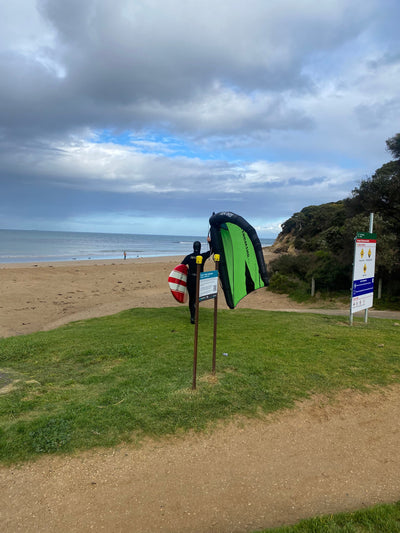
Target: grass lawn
x=103, y=381
x=378, y=519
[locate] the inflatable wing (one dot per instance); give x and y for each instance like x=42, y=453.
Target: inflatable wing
x=242, y=267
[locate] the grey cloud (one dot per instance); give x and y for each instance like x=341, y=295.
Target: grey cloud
x=370, y=116
x=122, y=58
x=387, y=59
x=306, y=182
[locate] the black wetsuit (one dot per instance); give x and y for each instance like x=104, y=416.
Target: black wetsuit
x=190, y=261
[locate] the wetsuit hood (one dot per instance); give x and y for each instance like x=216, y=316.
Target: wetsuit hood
x=196, y=247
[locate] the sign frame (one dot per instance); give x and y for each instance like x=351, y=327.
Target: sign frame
x=208, y=285
x=362, y=288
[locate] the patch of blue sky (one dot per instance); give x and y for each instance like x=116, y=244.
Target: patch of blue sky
x=149, y=143
x=162, y=143
x=109, y=136
x=168, y=145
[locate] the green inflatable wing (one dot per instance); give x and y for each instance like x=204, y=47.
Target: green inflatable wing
x=242, y=267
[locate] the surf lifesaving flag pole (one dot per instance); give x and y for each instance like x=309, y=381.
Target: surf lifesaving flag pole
x=199, y=261
x=216, y=260
x=206, y=288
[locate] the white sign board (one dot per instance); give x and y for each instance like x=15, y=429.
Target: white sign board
x=363, y=272
x=208, y=285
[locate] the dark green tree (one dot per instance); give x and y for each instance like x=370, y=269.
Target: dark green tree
x=393, y=145
x=381, y=194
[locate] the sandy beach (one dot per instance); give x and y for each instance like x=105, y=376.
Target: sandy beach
x=42, y=296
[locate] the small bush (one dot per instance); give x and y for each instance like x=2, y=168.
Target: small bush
x=281, y=283
x=301, y=265
x=296, y=288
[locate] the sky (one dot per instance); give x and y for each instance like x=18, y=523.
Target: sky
x=146, y=116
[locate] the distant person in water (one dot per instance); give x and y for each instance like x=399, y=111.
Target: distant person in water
x=190, y=261
x=124, y=255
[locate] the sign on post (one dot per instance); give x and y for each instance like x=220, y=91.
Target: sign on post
x=208, y=285
x=362, y=293
x=206, y=288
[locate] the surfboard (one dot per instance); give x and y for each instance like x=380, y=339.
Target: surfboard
x=177, y=282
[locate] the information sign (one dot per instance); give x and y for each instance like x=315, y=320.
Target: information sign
x=208, y=285
x=363, y=272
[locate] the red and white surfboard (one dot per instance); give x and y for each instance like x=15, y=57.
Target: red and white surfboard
x=177, y=282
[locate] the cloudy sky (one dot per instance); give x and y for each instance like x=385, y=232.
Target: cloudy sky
x=145, y=116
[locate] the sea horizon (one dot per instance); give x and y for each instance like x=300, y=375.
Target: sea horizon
x=27, y=246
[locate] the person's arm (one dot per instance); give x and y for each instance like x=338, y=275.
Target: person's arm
x=209, y=244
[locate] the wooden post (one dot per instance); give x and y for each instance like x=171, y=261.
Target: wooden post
x=214, y=359
x=312, y=286
x=199, y=261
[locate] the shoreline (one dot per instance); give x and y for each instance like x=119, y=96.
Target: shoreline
x=94, y=262
x=119, y=260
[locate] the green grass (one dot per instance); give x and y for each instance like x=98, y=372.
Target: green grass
x=378, y=519
x=104, y=381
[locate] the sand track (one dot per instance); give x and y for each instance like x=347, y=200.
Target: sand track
x=319, y=458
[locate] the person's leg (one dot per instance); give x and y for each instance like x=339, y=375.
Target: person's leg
x=191, y=286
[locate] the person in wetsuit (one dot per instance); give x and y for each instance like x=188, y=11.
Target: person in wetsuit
x=190, y=261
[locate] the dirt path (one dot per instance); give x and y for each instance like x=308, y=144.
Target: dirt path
x=319, y=458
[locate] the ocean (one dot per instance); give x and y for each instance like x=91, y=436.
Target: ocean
x=31, y=246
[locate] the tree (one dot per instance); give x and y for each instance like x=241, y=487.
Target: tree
x=393, y=145
x=381, y=194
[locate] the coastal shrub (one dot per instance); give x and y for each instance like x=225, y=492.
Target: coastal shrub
x=281, y=283
x=300, y=266
x=293, y=286
x=329, y=273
